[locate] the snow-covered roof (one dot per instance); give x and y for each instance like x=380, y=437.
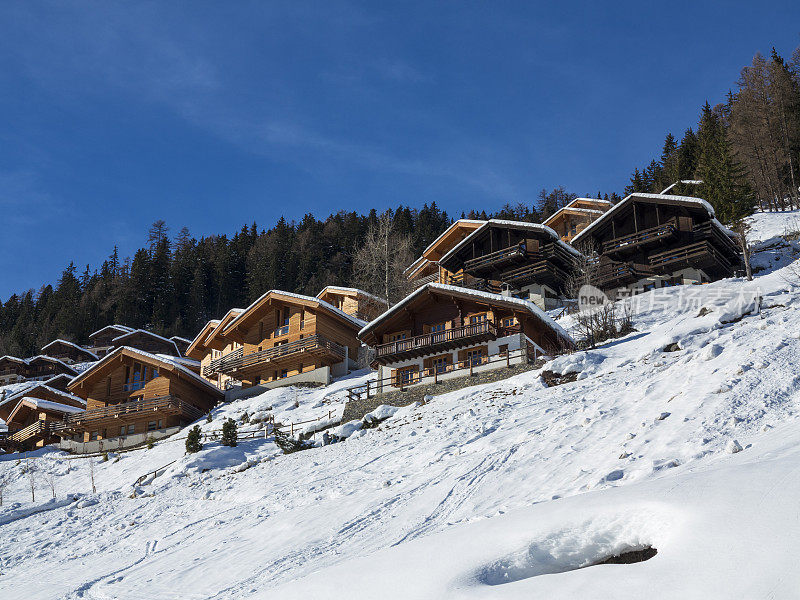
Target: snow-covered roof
x=38, y=357
x=411, y=267
x=31, y=385
x=50, y=405
x=690, y=200
x=327, y=306
x=148, y=333
x=70, y=344
x=452, y=226
x=335, y=288
x=538, y=227
x=478, y=295
x=177, y=338
x=161, y=358
x=189, y=362
x=122, y=328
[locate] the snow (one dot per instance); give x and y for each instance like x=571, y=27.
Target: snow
x=506, y=490
x=767, y=225
x=339, y=288
x=49, y=405
x=123, y=328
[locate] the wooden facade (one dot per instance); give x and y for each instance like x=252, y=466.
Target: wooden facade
x=68, y=352
x=283, y=335
x=442, y=328
x=356, y=303
x=211, y=345
x=131, y=392
x=653, y=240
x=38, y=390
x=30, y=423
x=522, y=259
x=426, y=269
x=576, y=216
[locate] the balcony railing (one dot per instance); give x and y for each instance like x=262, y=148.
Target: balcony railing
x=700, y=254
x=28, y=432
x=617, y=274
x=496, y=258
x=474, y=283
x=420, y=281
x=428, y=342
x=127, y=411
x=641, y=237
x=238, y=360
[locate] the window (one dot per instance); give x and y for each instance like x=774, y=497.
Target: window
x=396, y=337
x=108, y=386
x=284, y=373
x=475, y=319
x=286, y=315
x=475, y=356
x=131, y=429
x=122, y=430
x=440, y=363
x=302, y=320
x=161, y=423
x=94, y=435
x=152, y=426
x=154, y=372
x=261, y=330
x=406, y=375
x=503, y=349
x=509, y=322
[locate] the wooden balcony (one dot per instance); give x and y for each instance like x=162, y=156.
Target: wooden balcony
x=432, y=278
x=699, y=255
x=542, y=271
x=439, y=341
x=617, y=274
x=474, y=283
x=23, y=435
x=496, y=260
x=238, y=363
x=124, y=413
x=640, y=239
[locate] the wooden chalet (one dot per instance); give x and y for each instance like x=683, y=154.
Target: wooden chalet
x=147, y=341
x=285, y=335
x=37, y=368
x=59, y=382
x=211, y=345
x=648, y=241
x=354, y=302
x=526, y=260
x=101, y=340
x=133, y=392
x=12, y=370
x=30, y=423
x=573, y=218
x=68, y=352
x=426, y=268
x=36, y=389
x=441, y=331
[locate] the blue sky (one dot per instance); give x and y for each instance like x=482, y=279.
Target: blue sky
x=212, y=115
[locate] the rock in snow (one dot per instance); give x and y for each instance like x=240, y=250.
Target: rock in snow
x=732, y=447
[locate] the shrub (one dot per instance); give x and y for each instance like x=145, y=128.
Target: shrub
x=229, y=433
x=150, y=443
x=105, y=456
x=245, y=417
x=208, y=418
x=193, y=440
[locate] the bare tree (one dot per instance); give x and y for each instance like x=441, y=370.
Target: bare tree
x=742, y=229
x=50, y=478
x=91, y=474
x=3, y=483
x=31, y=479
x=379, y=263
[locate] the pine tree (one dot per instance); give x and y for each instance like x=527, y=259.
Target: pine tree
x=193, y=444
x=229, y=433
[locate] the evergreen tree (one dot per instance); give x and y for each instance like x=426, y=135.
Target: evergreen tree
x=193, y=443
x=229, y=433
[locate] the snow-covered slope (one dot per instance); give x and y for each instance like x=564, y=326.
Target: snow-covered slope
x=475, y=494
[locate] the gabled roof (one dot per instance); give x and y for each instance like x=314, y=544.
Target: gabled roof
x=537, y=227
x=115, y=327
x=71, y=345
x=29, y=388
x=38, y=358
x=120, y=339
x=296, y=299
x=685, y=200
x=197, y=342
x=337, y=289
x=39, y=404
x=495, y=299
x=162, y=360
x=177, y=338
x=469, y=224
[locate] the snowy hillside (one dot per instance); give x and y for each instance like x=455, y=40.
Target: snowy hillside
x=683, y=436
